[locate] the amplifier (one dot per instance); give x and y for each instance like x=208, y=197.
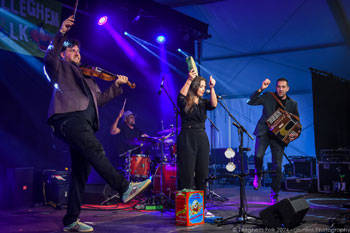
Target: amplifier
x=19, y=188
x=333, y=177
x=304, y=166
x=335, y=155
x=300, y=184
x=56, y=186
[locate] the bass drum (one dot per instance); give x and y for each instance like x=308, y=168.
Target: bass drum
x=169, y=180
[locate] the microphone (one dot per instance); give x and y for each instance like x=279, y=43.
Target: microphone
x=161, y=86
x=208, y=92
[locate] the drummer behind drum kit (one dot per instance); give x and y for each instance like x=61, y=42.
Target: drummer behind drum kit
x=159, y=163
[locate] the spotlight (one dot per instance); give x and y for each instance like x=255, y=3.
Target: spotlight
x=179, y=50
x=126, y=33
x=160, y=39
x=102, y=20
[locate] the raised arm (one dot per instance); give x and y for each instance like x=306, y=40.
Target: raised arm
x=51, y=59
x=114, y=128
x=255, y=97
x=191, y=75
x=213, y=97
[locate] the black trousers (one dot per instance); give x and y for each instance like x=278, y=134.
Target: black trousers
x=86, y=151
x=277, y=149
x=192, y=159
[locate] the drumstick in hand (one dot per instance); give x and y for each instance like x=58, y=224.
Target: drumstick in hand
x=124, y=104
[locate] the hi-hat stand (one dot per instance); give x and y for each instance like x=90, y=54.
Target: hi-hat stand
x=107, y=188
x=211, y=178
x=242, y=217
x=211, y=194
x=161, y=196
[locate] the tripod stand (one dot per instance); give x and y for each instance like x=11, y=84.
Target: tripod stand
x=242, y=217
x=211, y=194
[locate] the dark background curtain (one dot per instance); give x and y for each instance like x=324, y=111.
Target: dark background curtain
x=331, y=102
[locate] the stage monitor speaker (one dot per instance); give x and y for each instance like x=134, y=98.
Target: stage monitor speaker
x=287, y=213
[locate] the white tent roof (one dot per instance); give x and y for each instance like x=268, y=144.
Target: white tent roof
x=255, y=39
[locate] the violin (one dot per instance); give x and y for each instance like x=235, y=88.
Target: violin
x=102, y=74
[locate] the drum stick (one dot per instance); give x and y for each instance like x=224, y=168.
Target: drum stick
x=75, y=8
x=124, y=104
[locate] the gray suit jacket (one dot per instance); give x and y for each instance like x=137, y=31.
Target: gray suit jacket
x=269, y=104
x=70, y=95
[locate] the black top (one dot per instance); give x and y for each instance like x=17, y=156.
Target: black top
x=196, y=118
x=270, y=106
x=127, y=134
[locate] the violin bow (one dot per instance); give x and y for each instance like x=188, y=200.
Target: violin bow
x=75, y=8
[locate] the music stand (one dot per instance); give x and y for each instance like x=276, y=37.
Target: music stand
x=242, y=217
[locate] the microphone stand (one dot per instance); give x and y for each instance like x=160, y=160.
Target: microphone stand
x=176, y=110
x=242, y=217
x=211, y=178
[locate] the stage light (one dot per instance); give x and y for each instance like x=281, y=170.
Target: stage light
x=126, y=33
x=102, y=20
x=179, y=50
x=229, y=153
x=230, y=167
x=160, y=39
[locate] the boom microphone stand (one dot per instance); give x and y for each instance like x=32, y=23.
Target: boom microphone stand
x=176, y=110
x=242, y=217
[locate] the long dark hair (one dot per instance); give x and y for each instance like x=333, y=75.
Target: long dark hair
x=192, y=92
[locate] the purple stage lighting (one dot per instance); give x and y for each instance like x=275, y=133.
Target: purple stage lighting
x=102, y=20
x=160, y=39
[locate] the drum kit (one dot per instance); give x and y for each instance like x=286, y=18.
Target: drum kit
x=157, y=161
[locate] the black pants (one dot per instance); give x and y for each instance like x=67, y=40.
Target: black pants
x=277, y=149
x=192, y=159
x=86, y=151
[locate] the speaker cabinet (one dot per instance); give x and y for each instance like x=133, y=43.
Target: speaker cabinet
x=56, y=186
x=19, y=188
x=287, y=213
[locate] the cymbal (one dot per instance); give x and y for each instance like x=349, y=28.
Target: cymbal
x=167, y=131
x=142, y=140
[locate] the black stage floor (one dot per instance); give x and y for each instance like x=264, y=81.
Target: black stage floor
x=323, y=207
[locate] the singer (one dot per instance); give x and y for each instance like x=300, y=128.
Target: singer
x=192, y=142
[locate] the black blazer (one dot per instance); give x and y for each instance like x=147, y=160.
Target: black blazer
x=270, y=106
x=71, y=95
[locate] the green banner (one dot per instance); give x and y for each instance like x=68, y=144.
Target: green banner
x=27, y=26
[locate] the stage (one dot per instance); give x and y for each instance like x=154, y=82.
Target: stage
x=323, y=207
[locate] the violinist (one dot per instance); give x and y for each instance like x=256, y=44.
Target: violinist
x=73, y=116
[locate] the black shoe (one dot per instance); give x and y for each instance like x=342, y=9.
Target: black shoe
x=257, y=182
x=274, y=197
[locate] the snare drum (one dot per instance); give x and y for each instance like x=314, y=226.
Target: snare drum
x=169, y=180
x=140, y=165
